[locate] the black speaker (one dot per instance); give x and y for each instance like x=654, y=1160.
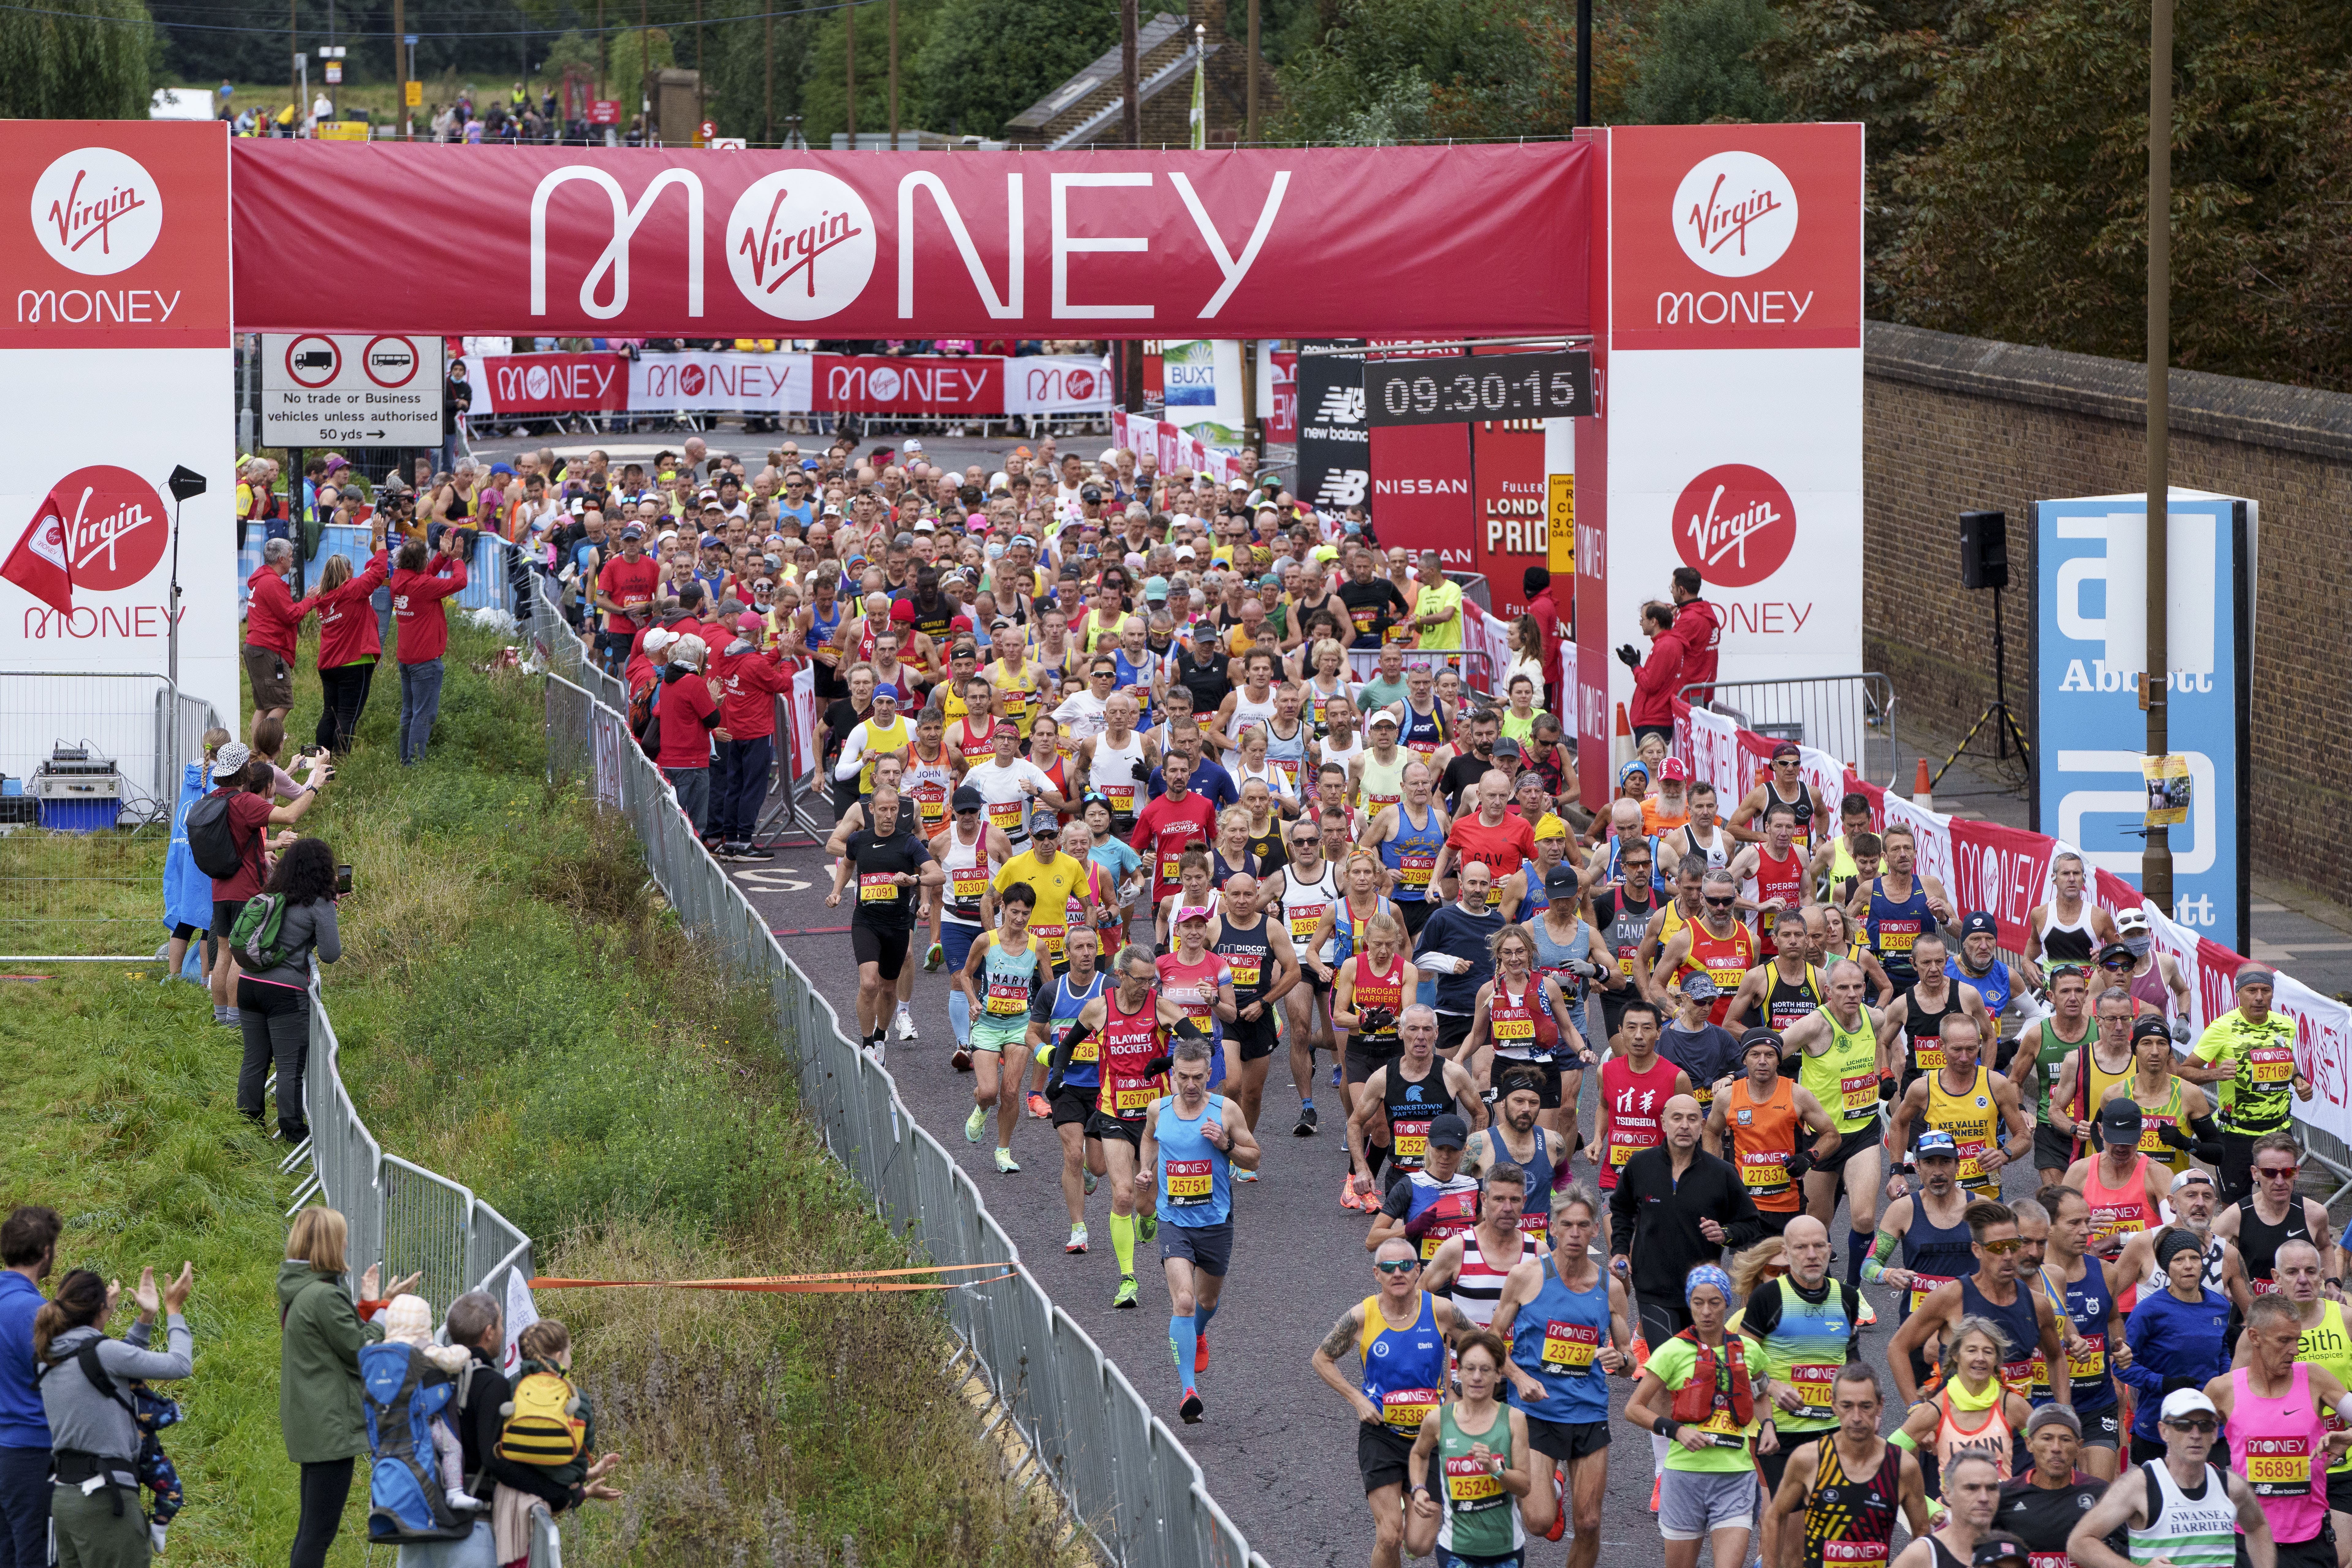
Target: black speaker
x=1984, y=550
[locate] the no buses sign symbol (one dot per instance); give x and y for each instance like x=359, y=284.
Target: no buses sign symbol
x=333, y=389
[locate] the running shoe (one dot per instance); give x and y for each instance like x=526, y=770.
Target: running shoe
x=1190, y=1408
x=1348, y=1198
x=1641, y=1356
x=906, y=1022
x=1090, y=1187
x=1335, y=1074
x=976, y=1124
x=1147, y=1224
x=1077, y=1242
x=1038, y=1107
x=960, y=1059
x=1308, y=1123
x=1244, y=1175
x=1868, y=1317
x=1004, y=1162
x=1559, y=1530
x=1125, y=1296
x=1200, y=1353
x=933, y=958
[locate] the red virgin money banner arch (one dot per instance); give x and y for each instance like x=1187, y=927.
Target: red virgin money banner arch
x=1402, y=241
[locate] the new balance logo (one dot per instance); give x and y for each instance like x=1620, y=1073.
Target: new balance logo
x=1343, y=486
x=1343, y=406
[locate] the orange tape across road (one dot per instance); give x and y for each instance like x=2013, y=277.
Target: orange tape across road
x=866, y=1280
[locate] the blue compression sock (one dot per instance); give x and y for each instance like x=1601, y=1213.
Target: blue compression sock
x=1201, y=1316
x=1857, y=1250
x=1180, y=1335
x=959, y=1015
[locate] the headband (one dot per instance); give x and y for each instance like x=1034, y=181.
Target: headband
x=1707, y=1274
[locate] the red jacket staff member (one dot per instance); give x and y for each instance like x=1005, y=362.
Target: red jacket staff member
x=1657, y=677
x=689, y=709
x=1701, y=626
x=749, y=681
x=239, y=775
x=271, y=616
x=420, y=581
x=348, y=644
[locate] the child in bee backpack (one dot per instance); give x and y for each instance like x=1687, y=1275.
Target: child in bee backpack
x=408, y=1320
x=548, y=1424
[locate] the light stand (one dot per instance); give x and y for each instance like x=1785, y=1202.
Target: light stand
x=185, y=484
x=1984, y=563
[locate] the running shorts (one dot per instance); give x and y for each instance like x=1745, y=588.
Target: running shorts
x=1382, y=1454
x=955, y=940
x=1416, y=914
x=1453, y=1028
x=1660, y=1318
x=1695, y=1504
x=1550, y=1071
x=2053, y=1149
x=2105, y=1429
x=1208, y=1247
x=2319, y=1552
x=1362, y=1064
x=1567, y=1440
x=1853, y=1143
x=1613, y=1008
x=886, y=950
x=1776, y=1221
x=1770, y=1467
x=1456, y=1559
x=1072, y=1103
x=1255, y=1037
x=1009, y=1035
x=1103, y=1127
x=2339, y=1492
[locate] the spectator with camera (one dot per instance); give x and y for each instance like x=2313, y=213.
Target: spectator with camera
x=226, y=833
x=94, y=1503
x=273, y=989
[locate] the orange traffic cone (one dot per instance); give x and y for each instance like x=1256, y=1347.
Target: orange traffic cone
x=1621, y=749
x=1920, y=787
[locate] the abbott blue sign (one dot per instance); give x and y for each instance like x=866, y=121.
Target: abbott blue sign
x=2090, y=646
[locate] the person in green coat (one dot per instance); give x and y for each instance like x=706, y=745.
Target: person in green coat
x=318, y=1398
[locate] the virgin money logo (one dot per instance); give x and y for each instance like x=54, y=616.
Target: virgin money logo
x=536, y=382
x=1735, y=213
x=882, y=383
x=1079, y=385
x=115, y=526
x=800, y=245
x=97, y=211
x=689, y=381
x=1735, y=524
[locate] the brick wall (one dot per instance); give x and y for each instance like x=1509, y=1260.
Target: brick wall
x=1955, y=423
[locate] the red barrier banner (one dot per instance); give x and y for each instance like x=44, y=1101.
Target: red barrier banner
x=2001, y=870
x=881, y=384
x=549, y=383
x=629, y=242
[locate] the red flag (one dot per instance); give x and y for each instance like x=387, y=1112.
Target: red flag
x=39, y=565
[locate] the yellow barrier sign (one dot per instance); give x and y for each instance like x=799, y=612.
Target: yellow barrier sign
x=1562, y=532
x=342, y=131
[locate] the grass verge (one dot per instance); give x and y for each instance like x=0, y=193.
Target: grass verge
x=519, y=1010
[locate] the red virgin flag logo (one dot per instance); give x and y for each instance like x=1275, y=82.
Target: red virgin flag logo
x=1735, y=524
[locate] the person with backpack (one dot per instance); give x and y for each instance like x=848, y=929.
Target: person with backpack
x=188, y=891
x=93, y=1424
x=278, y=933
x=547, y=1425
x=319, y=1397
x=226, y=830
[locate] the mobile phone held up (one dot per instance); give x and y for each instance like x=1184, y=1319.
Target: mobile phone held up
x=342, y=881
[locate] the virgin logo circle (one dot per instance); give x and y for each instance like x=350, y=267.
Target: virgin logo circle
x=800, y=245
x=1735, y=213
x=536, y=382
x=689, y=381
x=115, y=525
x=97, y=211
x=1079, y=385
x=882, y=383
x=1735, y=524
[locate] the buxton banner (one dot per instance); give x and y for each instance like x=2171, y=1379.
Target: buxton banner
x=567, y=241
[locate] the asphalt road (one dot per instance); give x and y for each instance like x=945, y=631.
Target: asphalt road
x=1277, y=1447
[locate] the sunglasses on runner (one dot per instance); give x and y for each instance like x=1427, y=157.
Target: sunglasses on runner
x=2194, y=1423
x=2276, y=1172
x=1398, y=1265
x=2004, y=1247
x=1720, y=903
x=1307, y=838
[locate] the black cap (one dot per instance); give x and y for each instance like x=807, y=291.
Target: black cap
x=2114, y=951
x=2120, y=1120
x=1448, y=1131
x=1506, y=747
x=1090, y=492
x=1996, y=1550
x=967, y=798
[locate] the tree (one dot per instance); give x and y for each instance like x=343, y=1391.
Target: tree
x=95, y=64
x=987, y=61
x=1699, y=64
x=633, y=57
x=2029, y=197
x=824, y=88
x=1372, y=75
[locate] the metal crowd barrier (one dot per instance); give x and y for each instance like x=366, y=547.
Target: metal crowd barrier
x=1121, y=1472
x=1851, y=717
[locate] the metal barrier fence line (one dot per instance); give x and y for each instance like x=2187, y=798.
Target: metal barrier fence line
x=1120, y=1470
x=1851, y=717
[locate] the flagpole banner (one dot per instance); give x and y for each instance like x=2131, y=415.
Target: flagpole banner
x=116, y=367
x=599, y=242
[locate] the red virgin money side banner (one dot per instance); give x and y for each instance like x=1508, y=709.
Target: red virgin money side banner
x=883, y=383
x=665, y=243
x=2003, y=870
x=549, y=383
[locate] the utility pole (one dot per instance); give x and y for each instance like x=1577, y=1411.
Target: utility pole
x=603, y=51
x=1249, y=129
x=700, y=95
x=294, y=46
x=1584, y=62
x=2156, y=856
x=768, y=136
x=894, y=75
x=644, y=73
x=1130, y=113
x=849, y=60
x=400, y=61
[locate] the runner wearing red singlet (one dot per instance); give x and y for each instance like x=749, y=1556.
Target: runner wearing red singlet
x=972, y=738
x=1635, y=1089
x=1170, y=823
x=2125, y=1188
x=1129, y=1025
x=1716, y=944
x=1491, y=835
x=1771, y=876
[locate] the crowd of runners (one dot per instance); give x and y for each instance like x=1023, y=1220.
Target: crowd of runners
x=1168, y=782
